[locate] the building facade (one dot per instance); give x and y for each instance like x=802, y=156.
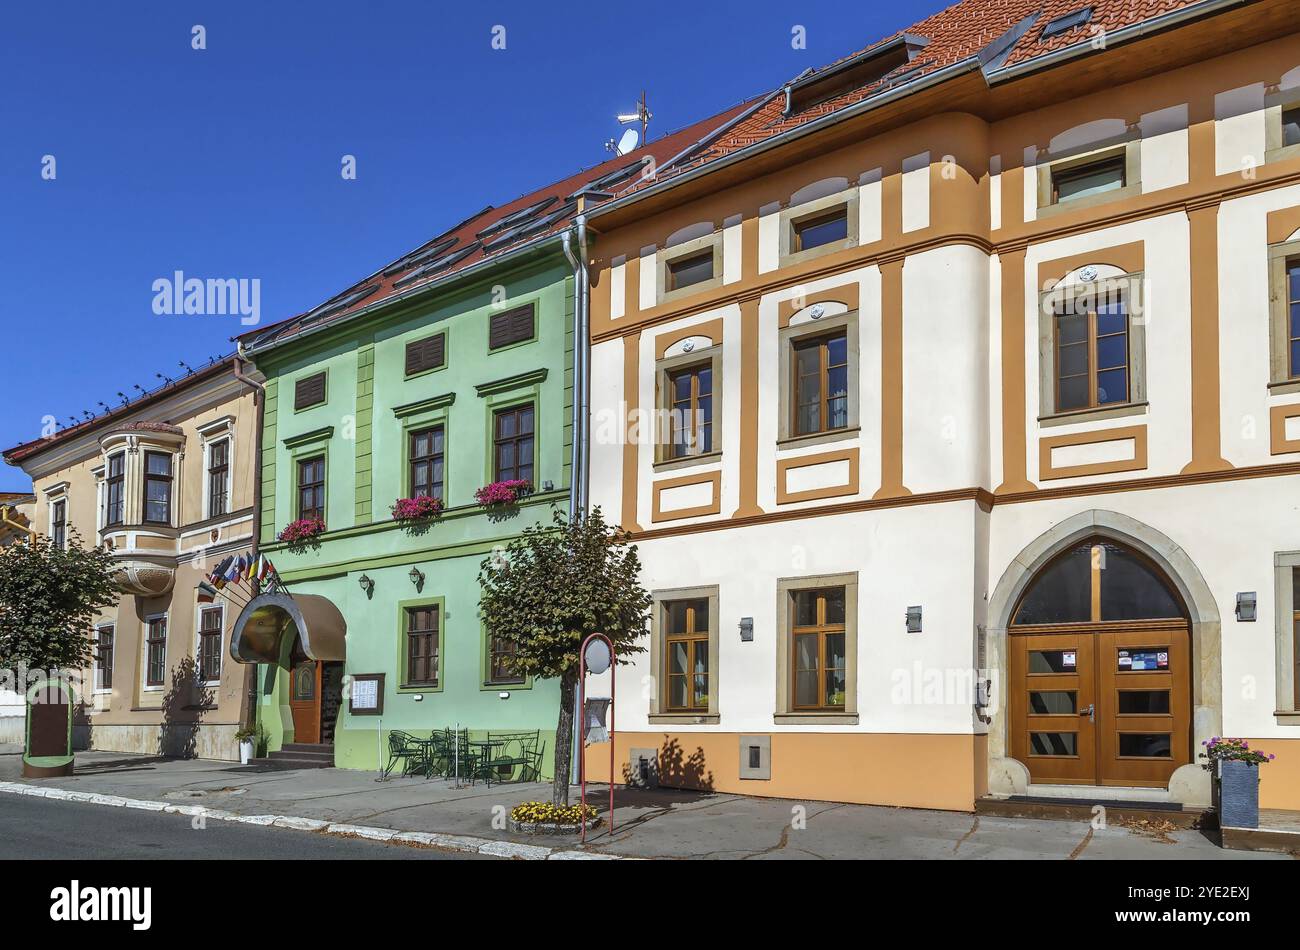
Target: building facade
x=166, y=483
x=951, y=399
x=448, y=371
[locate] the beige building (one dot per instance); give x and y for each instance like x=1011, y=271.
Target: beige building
x=166, y=482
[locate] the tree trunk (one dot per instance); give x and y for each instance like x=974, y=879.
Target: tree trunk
x=564, y=737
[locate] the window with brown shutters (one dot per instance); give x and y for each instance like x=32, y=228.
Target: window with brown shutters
x=309, y=391
x=429, y=353
x=513, y=326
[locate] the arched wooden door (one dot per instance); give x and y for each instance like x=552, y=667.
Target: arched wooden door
x=1100, y=690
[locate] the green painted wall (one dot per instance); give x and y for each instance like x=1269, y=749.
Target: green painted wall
x=365, y=444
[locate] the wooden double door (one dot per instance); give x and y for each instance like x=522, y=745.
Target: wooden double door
x=1101, y=704
x=315, y=694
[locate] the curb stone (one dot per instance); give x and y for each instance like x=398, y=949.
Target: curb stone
x=465, y=843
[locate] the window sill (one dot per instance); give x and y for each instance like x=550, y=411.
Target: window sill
x=1284, y=387
x=1091, y=201
x=419, y=688
x=677, y=719
x=506, y=687
x=1093, y=415
x=706, y=458
x=816, y=719
x=1287, y=717
x=818, y=438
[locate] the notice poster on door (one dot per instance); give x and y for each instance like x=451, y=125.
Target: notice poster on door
x=1069, y=659
x=1145, y=661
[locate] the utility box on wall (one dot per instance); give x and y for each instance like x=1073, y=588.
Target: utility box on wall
x=643, y=768
x=756, y=757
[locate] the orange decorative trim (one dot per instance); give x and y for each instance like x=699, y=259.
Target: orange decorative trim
x=1282, y=224
x=891, y=381
x=714, y=507
x=1278, y=415
x=631, y=287
x=1048, y=471
x=1015, y=453
x=1204, y=239
x=846, y=294
x=784, y=466
x=709, y=328
x=749, y=332
x=631, y=448
x=1130, y=258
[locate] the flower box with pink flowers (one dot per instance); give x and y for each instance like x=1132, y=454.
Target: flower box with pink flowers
x=503, y=494
x=300, y=532
x=413, y=511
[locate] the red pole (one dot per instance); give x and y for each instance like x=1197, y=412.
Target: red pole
x=582, y=729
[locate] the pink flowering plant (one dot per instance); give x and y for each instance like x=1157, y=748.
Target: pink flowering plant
x=1219, y=749
x=302, y=532
x=500, y=494
x=416, y=510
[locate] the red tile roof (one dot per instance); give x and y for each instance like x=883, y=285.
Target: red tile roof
x=490, y=233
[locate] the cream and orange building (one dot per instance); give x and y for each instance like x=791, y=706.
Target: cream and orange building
x=952, y=398
x=166, y=482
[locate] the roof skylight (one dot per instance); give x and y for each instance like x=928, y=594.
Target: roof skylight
x=1066, y=22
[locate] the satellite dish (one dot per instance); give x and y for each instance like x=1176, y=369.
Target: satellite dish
x=628, y=142
x=597, y=656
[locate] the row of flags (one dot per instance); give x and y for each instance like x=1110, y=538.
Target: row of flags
x=234, y=569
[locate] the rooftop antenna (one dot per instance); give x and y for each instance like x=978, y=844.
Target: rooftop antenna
x=628, y=142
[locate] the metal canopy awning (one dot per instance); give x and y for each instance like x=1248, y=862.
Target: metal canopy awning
x=263, y=624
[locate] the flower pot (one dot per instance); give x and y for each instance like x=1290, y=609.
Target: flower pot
x=245, y=751
x=1237, y=794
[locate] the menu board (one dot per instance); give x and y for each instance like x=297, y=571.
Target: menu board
x=366, y=694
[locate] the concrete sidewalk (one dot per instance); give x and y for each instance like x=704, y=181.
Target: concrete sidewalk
x=659, y=824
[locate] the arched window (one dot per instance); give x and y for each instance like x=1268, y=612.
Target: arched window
x=1095, y=581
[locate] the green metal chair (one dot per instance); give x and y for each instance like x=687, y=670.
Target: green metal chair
x=404, y=747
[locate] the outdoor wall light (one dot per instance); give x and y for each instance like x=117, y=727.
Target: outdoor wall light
x=1246, y=607
x=913, y=619
x=746, y=629
x=417, y=578
x=548, y=485
x=367, y=584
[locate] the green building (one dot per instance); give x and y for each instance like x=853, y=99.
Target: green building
x=448, y=370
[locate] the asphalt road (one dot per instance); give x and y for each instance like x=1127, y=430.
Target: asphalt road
x=36, y=828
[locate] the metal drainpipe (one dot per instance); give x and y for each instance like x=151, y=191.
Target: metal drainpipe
x=575, y=452
x=584, y=385
x=259, y=400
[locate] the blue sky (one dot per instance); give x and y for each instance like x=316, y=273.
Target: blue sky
x=225, y=162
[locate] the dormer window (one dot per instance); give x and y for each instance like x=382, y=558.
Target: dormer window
x=855, y=72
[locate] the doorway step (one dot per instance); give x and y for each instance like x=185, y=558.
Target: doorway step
x=1079, y=805
x=302, y=755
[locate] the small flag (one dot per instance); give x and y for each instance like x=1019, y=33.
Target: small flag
x=205, y=592
x=218, y=575
x=265, y=569
x=231, y=573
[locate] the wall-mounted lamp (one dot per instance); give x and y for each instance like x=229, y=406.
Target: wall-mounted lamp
x=746, y=629
x=367, y=584
x=417, y=578
x=548, y=485
x=913, y=619
x=1246, y=607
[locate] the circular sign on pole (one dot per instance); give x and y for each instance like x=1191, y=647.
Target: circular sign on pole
x=597, y=657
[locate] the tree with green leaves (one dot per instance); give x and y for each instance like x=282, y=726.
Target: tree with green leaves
x=50, y=598
x=551, y=588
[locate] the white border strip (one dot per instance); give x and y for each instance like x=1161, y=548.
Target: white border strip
x=464, y=843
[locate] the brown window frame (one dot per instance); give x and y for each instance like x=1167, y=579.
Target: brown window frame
x=1293, y=365
x=429, y=639
x=821, y=341
x=59, y=523
x=104, y=656
x=797, y=228
x=1093, y=371
x=155, y=638
x=434, y=461
x=679, y=448
x=822, y=630
x=517, y=440
x=304, y=391
x=159, y=478
x=218, y=475
x=115, y=484
x=677, y=264
x=421, y=354
x=497, y=673
x=1086, y=169
x=317, y=511
x=692, y=636
x=208, y=652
